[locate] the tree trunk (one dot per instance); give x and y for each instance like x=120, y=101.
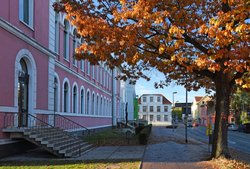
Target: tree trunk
x=220, y=141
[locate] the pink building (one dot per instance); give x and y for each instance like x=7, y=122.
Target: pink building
x=39, y=75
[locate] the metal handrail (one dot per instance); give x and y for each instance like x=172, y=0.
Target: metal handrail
x=74, y=125
x=40, y=125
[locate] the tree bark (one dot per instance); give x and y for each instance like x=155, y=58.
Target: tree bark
x=220, y=141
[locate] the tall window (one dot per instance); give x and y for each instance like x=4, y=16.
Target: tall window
x=82, y=101
x=151, y=99
x=97, y=105
x=66, y=40
x=144, y=108
x=55, y=95
x=101, y=75
x=101, y=106
x=165, y=108
x=151, y=117
x=104, y=107
x=151, y=108
x=158, y=99
x=165, y=117
x=82, y=65
x=66, y=97
x=158, y=108
x=158, y=117
x=88, y=103
x=26, y=8
x=88, y=67
x=56, y=32
x=74, y=99
x=74, y=47
x=93, y=103
x=144, y=99
x=93, y=71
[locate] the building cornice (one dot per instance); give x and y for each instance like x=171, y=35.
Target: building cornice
x=19, y=34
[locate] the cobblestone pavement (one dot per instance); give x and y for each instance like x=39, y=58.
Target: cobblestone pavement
x=167, y=149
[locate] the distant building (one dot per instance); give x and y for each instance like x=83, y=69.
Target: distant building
x=203, y=110
x=127, y=100
x=194, y=107
x=156, y=109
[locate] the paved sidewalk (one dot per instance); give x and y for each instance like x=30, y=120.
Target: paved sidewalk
x=168, y=150
x=99, y=153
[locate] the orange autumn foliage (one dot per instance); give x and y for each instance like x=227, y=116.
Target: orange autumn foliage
x=197, y=36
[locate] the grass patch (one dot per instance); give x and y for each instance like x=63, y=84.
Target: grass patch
x=70, y=164
x=111, y=137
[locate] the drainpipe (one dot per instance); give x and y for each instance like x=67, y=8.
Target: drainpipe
x=113, y=93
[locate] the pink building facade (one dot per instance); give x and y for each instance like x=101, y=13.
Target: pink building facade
x=39, y=75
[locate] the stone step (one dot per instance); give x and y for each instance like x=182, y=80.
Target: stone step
x=68, y=144
x=78, y=152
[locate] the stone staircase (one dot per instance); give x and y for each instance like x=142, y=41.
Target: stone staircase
x=57, y=141
x=54, y=139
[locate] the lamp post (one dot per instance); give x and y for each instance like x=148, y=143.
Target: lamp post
x=186, y=116
x=173, y=110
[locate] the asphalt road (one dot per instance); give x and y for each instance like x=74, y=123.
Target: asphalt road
x=237, y=140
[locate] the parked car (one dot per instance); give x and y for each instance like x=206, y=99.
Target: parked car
x=247, y=127
x=232, y=127
x=244, y=128
x=195, y=124
x=241, y=128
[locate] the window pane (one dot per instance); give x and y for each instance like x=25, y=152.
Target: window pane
x=151, y=109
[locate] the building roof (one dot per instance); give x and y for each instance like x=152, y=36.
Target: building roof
x=165, y=100
x=198, y=98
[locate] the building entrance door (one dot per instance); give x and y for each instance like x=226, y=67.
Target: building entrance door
x=23, y=91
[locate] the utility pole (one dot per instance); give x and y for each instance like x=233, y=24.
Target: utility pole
x=186, y=116
x=173, y=110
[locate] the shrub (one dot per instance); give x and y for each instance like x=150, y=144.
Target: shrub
x=144, y=134
x=138, y=129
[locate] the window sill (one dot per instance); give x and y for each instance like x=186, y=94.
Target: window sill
x=27, y=25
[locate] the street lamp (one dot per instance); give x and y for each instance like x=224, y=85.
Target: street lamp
x=173, y=110
x=186, y=116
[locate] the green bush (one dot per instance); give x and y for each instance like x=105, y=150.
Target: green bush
x=144, y=134
x=138, y=129
x=143, y=138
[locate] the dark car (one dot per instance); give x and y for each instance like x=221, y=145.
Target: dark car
x=247, y=127
x=244, y=128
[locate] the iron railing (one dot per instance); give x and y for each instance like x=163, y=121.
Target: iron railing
x=67, y=124
x=41, y=126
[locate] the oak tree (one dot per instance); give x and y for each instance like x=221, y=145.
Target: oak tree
x=199, y=43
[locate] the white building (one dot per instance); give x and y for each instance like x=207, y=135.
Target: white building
x=156, y=109
x=127, y=97
x=195, y=107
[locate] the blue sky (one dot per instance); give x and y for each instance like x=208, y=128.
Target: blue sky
x=147, y=87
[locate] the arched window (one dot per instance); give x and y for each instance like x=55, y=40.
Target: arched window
x=101, y=108
x=104, y=107
x=88, y=102
x=55, y=95
x=66, y=97
x=93, y=103
x=74, y=100
x=66, y=40
x=97, y=104
x=82, y=102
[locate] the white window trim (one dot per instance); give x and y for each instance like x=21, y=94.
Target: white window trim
x=31, y=13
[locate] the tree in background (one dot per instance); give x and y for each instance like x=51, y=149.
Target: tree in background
x=197, y=43
x=240, y=104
